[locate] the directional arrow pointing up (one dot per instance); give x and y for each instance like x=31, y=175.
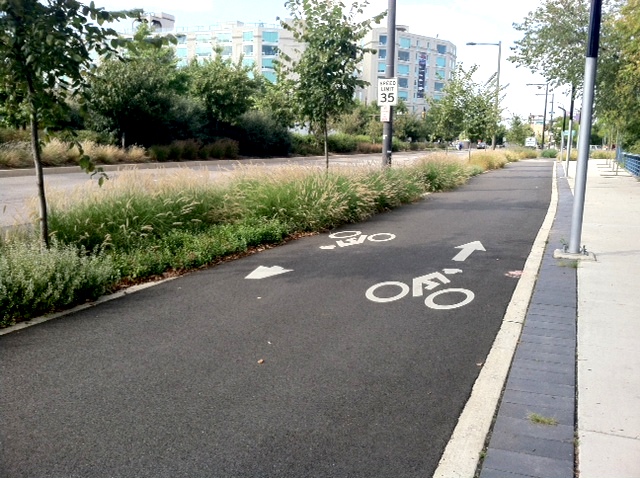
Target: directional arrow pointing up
x=467, y=250
x=262, y=272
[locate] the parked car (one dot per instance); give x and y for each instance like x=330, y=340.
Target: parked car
x=481, y=145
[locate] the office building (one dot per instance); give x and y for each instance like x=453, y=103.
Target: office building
x=423, y=66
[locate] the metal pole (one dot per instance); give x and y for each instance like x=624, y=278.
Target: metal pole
x=570, y=139
x=387, y=126
x=553, y=96
x=544, y=115
x=590, y=68
x=493, y=140
x=564, y=120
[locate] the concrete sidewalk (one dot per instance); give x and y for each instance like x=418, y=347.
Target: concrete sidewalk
x=609, y=326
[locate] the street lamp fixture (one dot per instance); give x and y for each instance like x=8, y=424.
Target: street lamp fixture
x=497, y=99
x=544, y=117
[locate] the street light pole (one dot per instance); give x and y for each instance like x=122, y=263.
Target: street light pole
x=497, y=99
x=544, y=116
x=564, y=120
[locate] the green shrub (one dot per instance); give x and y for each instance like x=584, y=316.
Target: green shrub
x=159, y=153
x=342, y=143
x=35, y=281
x=262, y=136
x=305, y=145
x=174, y=151
x=188, y=149
x=230, y=148
x=550, y=153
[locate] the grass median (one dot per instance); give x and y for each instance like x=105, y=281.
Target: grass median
x=141, y=227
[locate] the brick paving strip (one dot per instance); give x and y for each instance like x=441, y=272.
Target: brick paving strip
x=542, y=378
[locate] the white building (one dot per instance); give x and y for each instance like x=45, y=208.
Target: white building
x=256, y=43
x=423, y=66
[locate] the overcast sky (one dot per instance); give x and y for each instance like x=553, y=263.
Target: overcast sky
x=458, y=21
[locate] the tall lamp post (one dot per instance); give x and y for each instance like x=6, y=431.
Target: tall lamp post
x=544, y=117
x=497, y=99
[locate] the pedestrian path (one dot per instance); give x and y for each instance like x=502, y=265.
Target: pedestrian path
x=609, y=327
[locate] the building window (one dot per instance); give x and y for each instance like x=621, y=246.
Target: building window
x=438, y=96
x=270, y=37
x=403, y=70
x=181, y=52
x=223, y=37
x=226, y=51
x=247, y=36
x=250, y=62
x=182, y=63
x=403, y=95
x=182, y=39
x=440, y=73
x=442, y=49
x=403, y=55
x=382, y=67
x=204, y=50
x=247, y=50
x=267, y=63
x=269, y=50
x=203, y=38
x=438, y=86
x=382, y=54
x=405, y=42
x=270, y=75
x=441, y=61
x=383, y=39
x=403, y=82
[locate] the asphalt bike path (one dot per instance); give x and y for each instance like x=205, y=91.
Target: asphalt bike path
x=346, y=354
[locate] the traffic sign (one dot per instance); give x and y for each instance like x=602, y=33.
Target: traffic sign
x=387, y=91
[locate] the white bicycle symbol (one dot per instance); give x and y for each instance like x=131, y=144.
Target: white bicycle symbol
x=428, y=282
x=351, y=238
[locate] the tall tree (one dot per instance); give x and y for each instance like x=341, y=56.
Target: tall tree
x=326, y=71
x=519, y=130
x=134, y=99
x=226, y=89
x=45, y=48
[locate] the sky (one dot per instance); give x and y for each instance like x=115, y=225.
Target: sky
x=458, y=21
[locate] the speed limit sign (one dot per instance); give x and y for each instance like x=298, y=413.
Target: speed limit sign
x=387, y=91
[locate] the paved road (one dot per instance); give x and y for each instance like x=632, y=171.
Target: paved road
x=169, y=381
x=18, y=187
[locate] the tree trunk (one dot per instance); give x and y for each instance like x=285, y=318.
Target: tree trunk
x=42, y=200
x=326, y=145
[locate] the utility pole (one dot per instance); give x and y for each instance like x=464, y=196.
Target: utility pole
x=590, y=67
x=387, y=126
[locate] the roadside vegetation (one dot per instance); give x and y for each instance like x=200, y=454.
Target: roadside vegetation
x=140, y=227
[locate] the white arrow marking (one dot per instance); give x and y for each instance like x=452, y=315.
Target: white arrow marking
x=327, y=247
x=263, y=272
x=467, y=250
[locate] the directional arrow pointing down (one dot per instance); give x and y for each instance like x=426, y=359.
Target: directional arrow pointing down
x=467, y=250
x=262, y=272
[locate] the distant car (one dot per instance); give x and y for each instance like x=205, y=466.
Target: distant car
x=481, y=145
